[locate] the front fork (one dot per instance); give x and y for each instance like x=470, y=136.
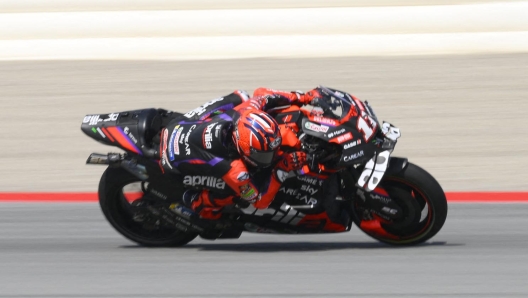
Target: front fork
x=376, y=202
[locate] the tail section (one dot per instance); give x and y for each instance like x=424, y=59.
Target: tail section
x=132, y=131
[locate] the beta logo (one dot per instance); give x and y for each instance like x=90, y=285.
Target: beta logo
x=314, y=127
x=206, y=181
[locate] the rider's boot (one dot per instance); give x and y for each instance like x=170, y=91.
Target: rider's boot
x=196, y=205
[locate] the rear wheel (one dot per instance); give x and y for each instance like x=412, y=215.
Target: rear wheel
x=423, y=204
x=119, y=191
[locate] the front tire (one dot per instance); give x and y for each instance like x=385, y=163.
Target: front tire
x=422, y=201
x=119, y=212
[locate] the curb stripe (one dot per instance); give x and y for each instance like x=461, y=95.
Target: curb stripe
x=487, y=197
x=49, y=197
x=73, y=197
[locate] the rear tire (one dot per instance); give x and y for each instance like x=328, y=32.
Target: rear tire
x=118, y=211
x=423, y=203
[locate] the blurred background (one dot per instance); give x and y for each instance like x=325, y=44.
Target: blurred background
x=451, y=74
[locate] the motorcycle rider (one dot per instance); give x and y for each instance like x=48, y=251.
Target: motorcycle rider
x=223, y=143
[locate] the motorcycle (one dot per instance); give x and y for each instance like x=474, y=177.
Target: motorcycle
x=351, y=178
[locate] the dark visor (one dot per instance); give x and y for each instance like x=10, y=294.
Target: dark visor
x=263, y=158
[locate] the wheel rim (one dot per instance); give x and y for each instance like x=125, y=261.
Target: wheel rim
x=123, y=211
x=418, y=214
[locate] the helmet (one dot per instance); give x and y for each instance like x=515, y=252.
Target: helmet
x=257, y=138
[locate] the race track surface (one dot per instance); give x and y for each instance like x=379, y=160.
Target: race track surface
x=69, y=250
x=462, y=117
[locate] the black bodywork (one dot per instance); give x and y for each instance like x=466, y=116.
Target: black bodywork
x=305, y=204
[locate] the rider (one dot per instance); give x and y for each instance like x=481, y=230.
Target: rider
x=223, y=144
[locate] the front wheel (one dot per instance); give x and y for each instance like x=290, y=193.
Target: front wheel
x=423, y=205
x=116, y=189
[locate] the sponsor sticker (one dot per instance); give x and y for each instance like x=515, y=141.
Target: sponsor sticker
x=176, y=133
x=325, y=120
x=288, y=191
x=208, y=136
x=217, y=131
x=336, y=133
x=127, y=132
x=315, y=127
x=352, y=144
x=275, y=143
x=309, y=189
x=94, y=119
x=354, y=156
x=344, y=138
x=310, y=180
x=243, y=176
x=307, y=200
x=248, y=193
x=207, y=181
x=164, y=160
x=187, y=146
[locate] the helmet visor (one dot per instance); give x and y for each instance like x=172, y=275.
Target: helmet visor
x=262, y=158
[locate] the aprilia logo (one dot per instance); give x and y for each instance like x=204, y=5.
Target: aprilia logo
x=204, y=181
x=208, y=136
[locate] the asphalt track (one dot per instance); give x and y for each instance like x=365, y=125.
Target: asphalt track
x=68, y=250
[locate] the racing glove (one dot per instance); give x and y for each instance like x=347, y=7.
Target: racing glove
x=292, y=161
x=308, y=97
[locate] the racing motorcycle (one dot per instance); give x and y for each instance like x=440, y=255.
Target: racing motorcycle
x=351, y=177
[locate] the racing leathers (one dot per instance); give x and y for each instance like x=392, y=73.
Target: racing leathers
x=202, y=149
